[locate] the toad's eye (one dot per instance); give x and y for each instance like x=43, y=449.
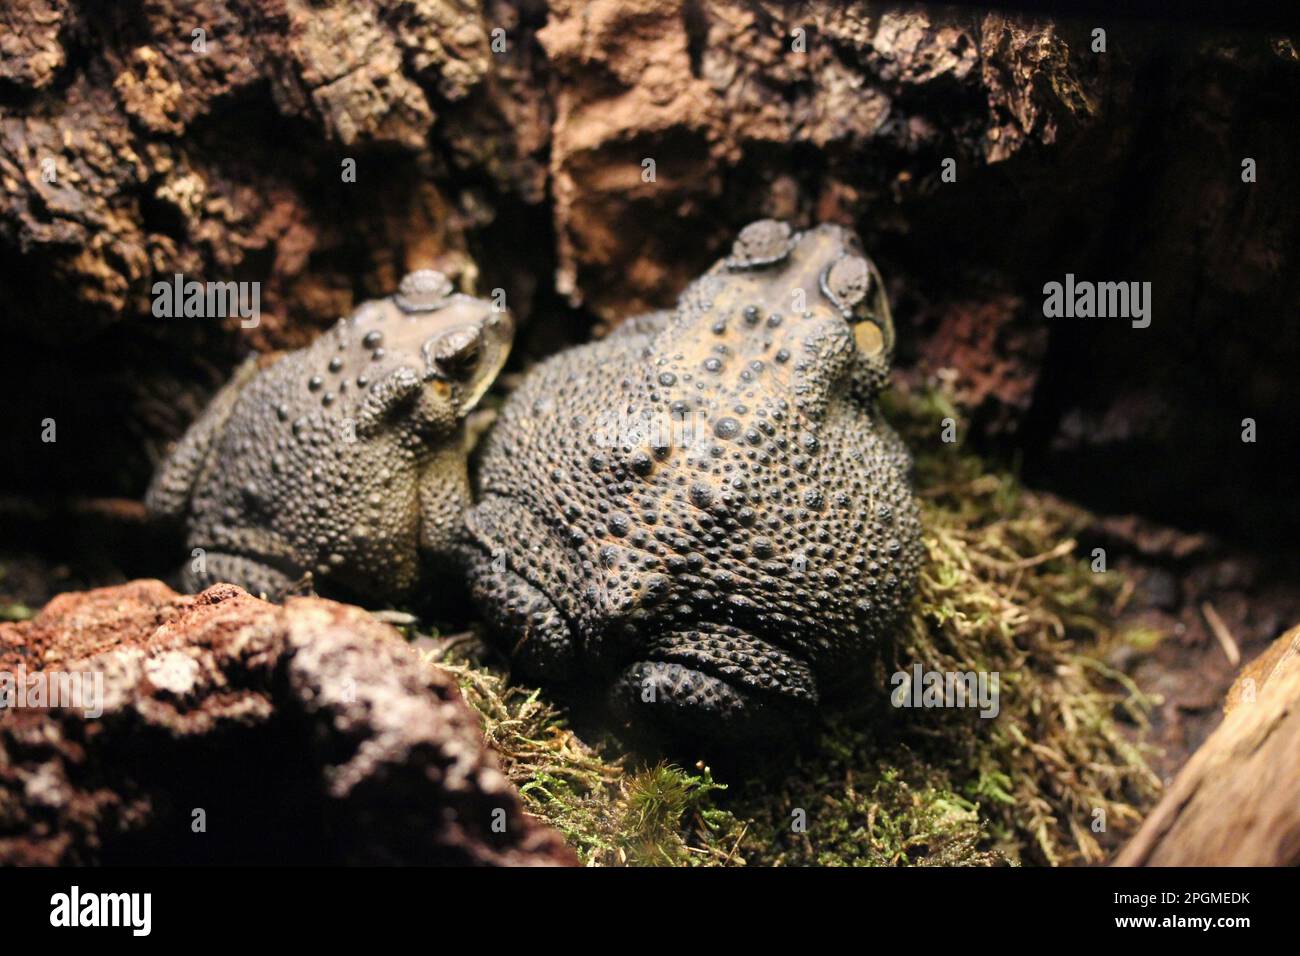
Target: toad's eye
x=761, y=243
x=851, y=285
x=846, y=283
x=456, y=353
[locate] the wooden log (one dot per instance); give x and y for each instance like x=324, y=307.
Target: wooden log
x=1237, y=801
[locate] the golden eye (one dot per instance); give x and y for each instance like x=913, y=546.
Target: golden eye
x=869, y=337
x=851, y=285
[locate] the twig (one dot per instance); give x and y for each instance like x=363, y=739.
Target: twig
x=1221, y=631
x=735, y=846
x=1060, y=551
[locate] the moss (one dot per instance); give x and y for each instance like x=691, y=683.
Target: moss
x=657, y=815
x=1004, y=590
x=13, y=610
x=668, y=816
x=562, y=779
x=1142, y=639
x=16, y=612
x=853, y=801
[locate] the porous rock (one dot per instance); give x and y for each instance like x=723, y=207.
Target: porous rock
x=234, y=730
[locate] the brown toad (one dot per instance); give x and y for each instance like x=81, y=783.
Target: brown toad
x=705, y=511
x=344, y=460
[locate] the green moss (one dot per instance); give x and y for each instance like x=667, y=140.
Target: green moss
x=16, y=612
x=1004, y=590
x=656, y=815
x=853, y=801
x=668, y=817
x=13, y=610
x=1142, y=639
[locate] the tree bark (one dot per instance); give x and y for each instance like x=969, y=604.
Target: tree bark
x=507, y=141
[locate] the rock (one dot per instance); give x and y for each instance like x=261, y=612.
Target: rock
x=233, y=730
x=1234, y=803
